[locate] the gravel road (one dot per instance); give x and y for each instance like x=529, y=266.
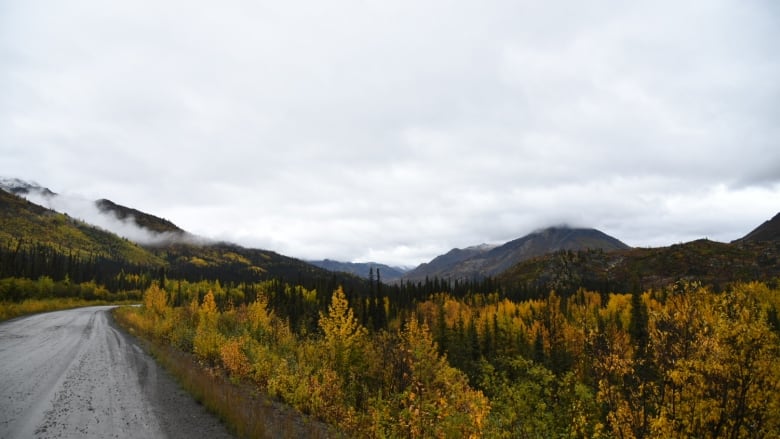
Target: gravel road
x=74, y=374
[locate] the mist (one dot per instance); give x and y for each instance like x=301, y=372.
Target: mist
x=87, y=210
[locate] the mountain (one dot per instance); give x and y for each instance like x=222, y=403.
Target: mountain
x=36, y=241
x=768, y=231
x=25, y=224
x=139, y=227
x=361, y=269
x=441, y=265
x=141, y=219
x=547, y=241
x=483, y=261
x=754, y=257
x=22, y=187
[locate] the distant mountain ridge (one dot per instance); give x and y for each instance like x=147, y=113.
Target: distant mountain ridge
x=480, y=261
x=556, y=258
x=362, y=269
x=441, y=265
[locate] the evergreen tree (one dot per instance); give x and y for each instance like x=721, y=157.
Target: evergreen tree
x=637, y=327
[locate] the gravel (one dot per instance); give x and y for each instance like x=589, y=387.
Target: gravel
x=74, y=374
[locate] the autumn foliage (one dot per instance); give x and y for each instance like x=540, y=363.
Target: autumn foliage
x=678, y=362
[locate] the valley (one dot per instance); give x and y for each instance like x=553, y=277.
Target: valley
x=509, y=340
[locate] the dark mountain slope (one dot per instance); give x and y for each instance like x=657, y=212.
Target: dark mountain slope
x=458, y=265
x=547, y=241
x=141, y=219
x=234, y=263
x=768, y=231
x=441, y=265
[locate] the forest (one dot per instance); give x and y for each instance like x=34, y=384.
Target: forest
x=682, y=361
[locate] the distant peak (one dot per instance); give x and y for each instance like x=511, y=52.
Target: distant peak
x=18, y=186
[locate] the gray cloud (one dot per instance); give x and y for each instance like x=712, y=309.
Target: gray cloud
x=397, y=130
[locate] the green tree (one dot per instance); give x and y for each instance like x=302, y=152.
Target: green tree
x=637, y=326
x=529, y=401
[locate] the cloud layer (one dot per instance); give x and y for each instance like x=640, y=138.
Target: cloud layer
x=394, y=131
x=89, y=212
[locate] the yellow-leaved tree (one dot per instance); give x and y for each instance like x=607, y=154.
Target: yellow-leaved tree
x=727, y=383
x=344, y=336
x=260, y=319
x=207, y=338
x=156, y=301
x=345, y=345
x=157, y=310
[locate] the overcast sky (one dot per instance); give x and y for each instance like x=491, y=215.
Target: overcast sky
x=394, y=131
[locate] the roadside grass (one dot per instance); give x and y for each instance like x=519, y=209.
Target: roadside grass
x=246, y=412
x=10, y=310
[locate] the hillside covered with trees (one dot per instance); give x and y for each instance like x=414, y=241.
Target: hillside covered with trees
x=679, y=341
x=38, y=242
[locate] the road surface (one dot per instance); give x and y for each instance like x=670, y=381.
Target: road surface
x=73, y=374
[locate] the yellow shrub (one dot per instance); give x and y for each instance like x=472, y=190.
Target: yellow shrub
x=233, y=357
